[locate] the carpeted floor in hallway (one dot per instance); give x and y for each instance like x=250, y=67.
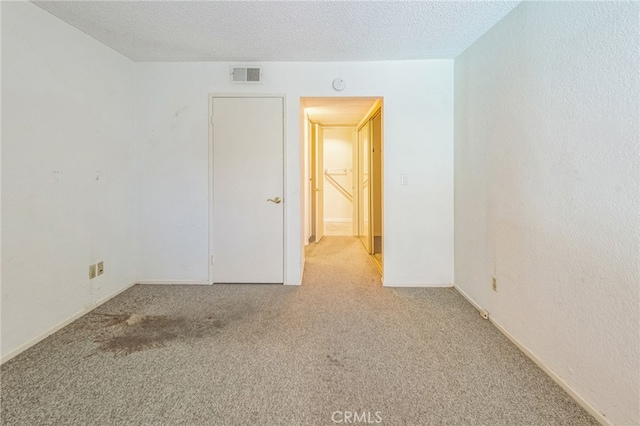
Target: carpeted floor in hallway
x=283, y=355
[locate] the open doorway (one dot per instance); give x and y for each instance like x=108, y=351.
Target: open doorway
x=343, y=170
x=337, y=173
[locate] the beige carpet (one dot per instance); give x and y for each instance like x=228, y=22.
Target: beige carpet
x=338, y=228
x=278, y=355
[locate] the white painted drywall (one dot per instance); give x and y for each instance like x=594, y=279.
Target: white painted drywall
x=338, y=156
x=547, y=166
x=172, y=148
x=67, y=169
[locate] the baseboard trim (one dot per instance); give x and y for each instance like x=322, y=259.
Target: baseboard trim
x=423, y=285
x=568, y=389
x=467, y=297
x=173, y=282
x=88, y=308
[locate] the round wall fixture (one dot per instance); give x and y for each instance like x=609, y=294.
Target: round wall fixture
x=338, y=84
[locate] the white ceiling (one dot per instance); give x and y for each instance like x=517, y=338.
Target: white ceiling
x=239, y=31
x=337, y=111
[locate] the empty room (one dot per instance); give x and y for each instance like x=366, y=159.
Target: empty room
x=320, y=212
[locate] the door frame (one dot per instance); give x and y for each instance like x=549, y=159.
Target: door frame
x=317, y=190
x=285, y=191
x=380, y=180
x=361, y=165
x=376, y=109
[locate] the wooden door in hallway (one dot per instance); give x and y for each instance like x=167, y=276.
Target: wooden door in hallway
x=317, y=142
x=248, y=180
x=364, y=190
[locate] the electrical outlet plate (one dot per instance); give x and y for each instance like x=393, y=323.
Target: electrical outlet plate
x=92, y=271
x=100, y=268
x=494, y=284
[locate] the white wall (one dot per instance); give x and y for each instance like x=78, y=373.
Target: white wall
x=338, y=155
x=67, y=139
x=172, y=115
x=547, y=191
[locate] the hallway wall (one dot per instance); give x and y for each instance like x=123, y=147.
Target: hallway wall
x=338, y=155
x=547, y=191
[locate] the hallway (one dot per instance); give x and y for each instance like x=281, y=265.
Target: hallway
x=279, y=355
x=339, y=263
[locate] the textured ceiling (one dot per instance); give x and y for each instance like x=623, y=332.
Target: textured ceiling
x=179, y=31
x=337, y=111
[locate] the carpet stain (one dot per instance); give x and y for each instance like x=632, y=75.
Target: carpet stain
x=134, y=333
x=334, y=361
x=124, y=334
x=135, y=319
x=217, y=323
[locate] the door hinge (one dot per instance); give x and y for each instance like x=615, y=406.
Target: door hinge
x=212, y=259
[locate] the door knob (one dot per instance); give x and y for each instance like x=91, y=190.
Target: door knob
x=276, y=200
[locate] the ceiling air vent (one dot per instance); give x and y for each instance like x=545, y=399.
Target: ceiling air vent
x=246, y=74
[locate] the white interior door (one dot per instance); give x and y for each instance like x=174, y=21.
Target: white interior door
x=248, y=213
x=364, y=162
x=318, y=190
